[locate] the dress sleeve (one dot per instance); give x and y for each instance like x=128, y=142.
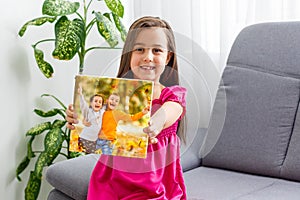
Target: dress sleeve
x=175, y=94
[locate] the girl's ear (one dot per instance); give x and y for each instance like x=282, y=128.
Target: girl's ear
x=169, y=56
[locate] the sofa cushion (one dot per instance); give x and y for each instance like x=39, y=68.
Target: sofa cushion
x=260, y=113
x=57, y=195
x=217, y=184
x=189, y=157
x=71, y=177
x=279, y=190
x=269, y=47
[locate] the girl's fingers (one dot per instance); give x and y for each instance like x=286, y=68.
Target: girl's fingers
x=149, y=128
x=152, y=131
x=70, y=107
x=71, y=117
x=70, y=126
x=146, y=129
x=69, y=113
x=153, y=140
x=72, y=120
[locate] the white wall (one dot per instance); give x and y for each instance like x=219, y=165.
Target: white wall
x=21, y=86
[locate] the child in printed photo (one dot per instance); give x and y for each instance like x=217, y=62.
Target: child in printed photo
x=108, y=134
x=92, y=121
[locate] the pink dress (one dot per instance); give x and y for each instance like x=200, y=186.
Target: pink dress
x=159, y=176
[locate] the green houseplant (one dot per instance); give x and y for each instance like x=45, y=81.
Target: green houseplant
x=73, y=23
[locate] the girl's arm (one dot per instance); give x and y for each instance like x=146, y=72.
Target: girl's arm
x=163, y=118
x=173, y=111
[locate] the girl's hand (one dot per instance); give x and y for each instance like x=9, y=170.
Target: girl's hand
x=153, y=140
x=71, y=117
x=164, y=117
x=156, y=125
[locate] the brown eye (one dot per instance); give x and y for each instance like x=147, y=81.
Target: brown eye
x=157, y=50
x=139, y=50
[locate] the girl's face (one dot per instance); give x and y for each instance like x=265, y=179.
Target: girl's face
x=150, y=54
x=96, y=103
x=113, y=102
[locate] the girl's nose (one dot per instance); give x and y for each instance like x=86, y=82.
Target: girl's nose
x=148, y=56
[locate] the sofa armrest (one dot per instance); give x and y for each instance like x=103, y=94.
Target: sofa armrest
x=190, y=157
x=71, y=177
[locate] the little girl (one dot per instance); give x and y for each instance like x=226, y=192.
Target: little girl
x=92, y=121
x=148, y=54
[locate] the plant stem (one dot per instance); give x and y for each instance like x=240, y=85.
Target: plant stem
x=81, y=60
x=68, y=141
x=41, y=41
x=82, y=52
x=90, y=25
x=87, y=7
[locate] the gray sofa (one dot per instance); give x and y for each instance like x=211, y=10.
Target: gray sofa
x=251, y=149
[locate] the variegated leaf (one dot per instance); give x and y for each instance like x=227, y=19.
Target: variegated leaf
x=115, y=6
x=120, y=26
x=44, y=66
x=58, y=123
x=36, y=22
x=21, y=167
x=38, y=129
x=59, y=7
x=33, y=186
x=30, y=153
x=69, y=37
x=107, y=29
x=107, y=15
x=40, y=163
x=49, y=113
x=53, y=144
x=26, y=160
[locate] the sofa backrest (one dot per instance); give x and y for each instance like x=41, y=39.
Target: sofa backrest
x=260, y=87
x=291, y=165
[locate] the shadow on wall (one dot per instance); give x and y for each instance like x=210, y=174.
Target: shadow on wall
x=19, y=64
x=18, y=102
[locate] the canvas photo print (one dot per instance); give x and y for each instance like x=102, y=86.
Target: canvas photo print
x=112, y=113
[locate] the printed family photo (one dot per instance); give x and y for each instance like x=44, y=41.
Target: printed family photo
x=112, y=113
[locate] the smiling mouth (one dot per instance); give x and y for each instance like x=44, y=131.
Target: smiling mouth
x=113, y=105
x=147, y=67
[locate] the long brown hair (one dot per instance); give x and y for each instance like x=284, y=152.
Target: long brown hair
x=170, y=75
